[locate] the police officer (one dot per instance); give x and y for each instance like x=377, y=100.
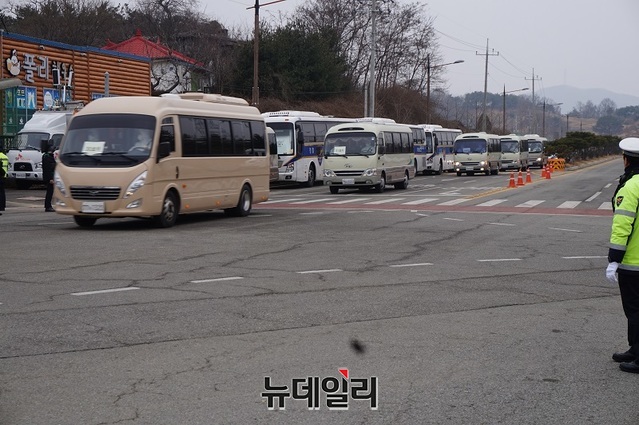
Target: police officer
x=4, y=169
x=48, y=168
x=623, y=255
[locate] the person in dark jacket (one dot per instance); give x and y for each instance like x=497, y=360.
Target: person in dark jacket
x=48, y=167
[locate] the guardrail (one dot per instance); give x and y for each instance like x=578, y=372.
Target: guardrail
x=557, y=163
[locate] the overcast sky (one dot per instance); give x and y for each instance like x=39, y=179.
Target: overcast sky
x=581, y=43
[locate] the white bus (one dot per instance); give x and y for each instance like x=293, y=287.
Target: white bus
x=477, y=153
x=514, y=153
x=434, y=149
x=536, y=150
x=368, y=155
x=157, y=157
x=300, y=139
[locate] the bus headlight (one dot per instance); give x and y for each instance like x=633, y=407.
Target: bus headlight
x=329, y=173
x=137, y=183
x=369, y=172
x=290, y=167
x=458, y=164
x=482, y=163
x=59, y=183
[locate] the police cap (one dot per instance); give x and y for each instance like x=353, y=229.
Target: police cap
x=630, y=146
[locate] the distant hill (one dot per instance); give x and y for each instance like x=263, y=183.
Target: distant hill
x=570, y=96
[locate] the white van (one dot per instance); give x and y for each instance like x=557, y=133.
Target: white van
x=536, y=150
x=514, y=153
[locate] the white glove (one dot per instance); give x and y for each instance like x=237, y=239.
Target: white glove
x=611, y=272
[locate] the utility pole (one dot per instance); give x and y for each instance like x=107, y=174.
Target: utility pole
x=534, y=109
x=483, y=119
x=371, y=90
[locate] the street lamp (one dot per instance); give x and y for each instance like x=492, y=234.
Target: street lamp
x=256, y=49
x=504, y=109
x=543, y=117
x=428, y=68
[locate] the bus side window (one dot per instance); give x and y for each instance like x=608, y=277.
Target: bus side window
x=167, y=141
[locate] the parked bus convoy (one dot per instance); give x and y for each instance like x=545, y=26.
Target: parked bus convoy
x=434, y=148
x=514, y=153
x=368, y=154
x=157, y=157
x=300, y=140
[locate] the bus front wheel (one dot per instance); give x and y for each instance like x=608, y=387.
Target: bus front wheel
x=243, y=207
x=83, y=221
x=169, y=214
x=333, y=189
x=310, y=182
x=379, y=188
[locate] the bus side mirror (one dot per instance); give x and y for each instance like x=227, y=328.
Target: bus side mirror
x=272, y=148
x=164, y=150
x=381, y=150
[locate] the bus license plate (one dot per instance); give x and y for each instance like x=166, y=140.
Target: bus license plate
x=93, y=207
x=469, y=168
x=20, y=175
x=348, y=181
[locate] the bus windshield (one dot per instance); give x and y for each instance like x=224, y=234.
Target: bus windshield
x=509, y=146
x=284, y=135
x=108, y=140
x=345, y=144
x=470, y=146
x=534, y=147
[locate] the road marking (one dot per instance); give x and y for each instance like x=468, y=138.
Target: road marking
x=502, y=224
x=499, y=259
x=453, y=219
x=274, y=201
x=565, y=230
x=313, y=213
x=605, y=206
x=411, y=265
x=569, y=204
x=105, y=291
x=607, y=186
x=593, y=196
x=348, y=201
x=384, y=201
x=453, y=202
x=320, y=271
x=491, y=203
x=420, y=201
x=584, y=257
x=529, y=204
x=310, y=201
x=219, y=279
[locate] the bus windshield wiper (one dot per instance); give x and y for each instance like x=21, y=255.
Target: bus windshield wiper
x=123, y=155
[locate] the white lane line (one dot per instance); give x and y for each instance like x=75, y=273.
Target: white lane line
x=502, y=224
x=569, y=204
x=499, y=259
x=320, y=271
x=420, y=201
x=565, y=230
x=313, y=213
x=584, y=257
x=605, y=206
x=384, y=201
x=105, y=291
x=607, y=186
x=219, y=279
x=274, y=201
x=529, y=204
x=411, y=265
x=491, y=203
x=453, y=219
x=348, y=201
x=310, y=201
x=453, y=202
x=593, y=197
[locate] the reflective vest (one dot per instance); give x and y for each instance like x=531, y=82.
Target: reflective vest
x=5, y=164
x=624, y=237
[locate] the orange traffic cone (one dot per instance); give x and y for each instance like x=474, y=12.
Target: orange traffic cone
x=548, y=173
x=543, y=172
x=512, y=180
x=520, y=179
x=528, y=176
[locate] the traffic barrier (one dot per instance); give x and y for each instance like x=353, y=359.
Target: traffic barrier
x=557, y=164
x=528, y=176
x=520, y=179
x=512, y=180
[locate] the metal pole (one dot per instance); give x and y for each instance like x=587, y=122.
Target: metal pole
x=371, y=91
x=428, y=87
x=256, y=49
x=504, y=118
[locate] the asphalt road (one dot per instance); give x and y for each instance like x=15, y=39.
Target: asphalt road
x=464, y=314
